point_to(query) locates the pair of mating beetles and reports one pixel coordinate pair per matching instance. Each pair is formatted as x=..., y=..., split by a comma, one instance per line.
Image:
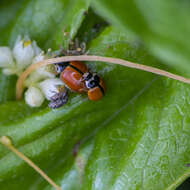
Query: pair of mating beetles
x=77, y=78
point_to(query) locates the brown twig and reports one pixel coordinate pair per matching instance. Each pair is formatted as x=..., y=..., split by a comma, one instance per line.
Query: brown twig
x=24, y=75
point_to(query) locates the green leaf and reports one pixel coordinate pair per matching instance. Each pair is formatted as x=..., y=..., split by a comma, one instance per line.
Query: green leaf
x=145, y=143
x=163, y=25
x=44, y=21
x=137, y=136
x=91, y=27
x=7, y=87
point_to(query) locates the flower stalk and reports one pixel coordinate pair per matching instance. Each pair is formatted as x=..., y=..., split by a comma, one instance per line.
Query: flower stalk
x=31, y=68
x=8, y=143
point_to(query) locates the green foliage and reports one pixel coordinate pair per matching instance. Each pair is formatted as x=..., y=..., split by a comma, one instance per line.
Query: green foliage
x=136, y=137
x=163, y=25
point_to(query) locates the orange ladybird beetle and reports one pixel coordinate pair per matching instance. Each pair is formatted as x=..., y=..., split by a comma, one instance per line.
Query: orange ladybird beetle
x=78, y=78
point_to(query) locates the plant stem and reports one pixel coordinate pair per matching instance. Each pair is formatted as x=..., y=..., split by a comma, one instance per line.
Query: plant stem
x=8, y=143
x=24, y=75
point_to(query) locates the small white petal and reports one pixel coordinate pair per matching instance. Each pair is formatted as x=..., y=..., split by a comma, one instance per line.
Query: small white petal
x=50, y=86
x=39, y=57
x=8, y=71
x=23, y=53
x=37, y=49
x=6, y=58
x=41, y=73
x=44, y=71
x=34, y=97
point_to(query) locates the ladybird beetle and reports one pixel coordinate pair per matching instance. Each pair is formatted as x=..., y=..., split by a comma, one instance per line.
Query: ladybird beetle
x=78, y=78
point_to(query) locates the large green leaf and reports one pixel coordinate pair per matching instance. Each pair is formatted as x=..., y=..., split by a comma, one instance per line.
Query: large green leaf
x=48, y=123
x=137, y=136
x=45, y=21
x=139, y=131
x=162, y=24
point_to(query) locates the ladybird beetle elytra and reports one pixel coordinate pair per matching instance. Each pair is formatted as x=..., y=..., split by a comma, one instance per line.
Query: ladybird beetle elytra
x=95, y=85
x=97, y=92
x=72, y=76
x=78, y=78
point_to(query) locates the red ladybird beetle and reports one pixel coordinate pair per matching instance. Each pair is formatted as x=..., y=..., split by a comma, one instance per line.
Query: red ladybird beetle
x=78, y=78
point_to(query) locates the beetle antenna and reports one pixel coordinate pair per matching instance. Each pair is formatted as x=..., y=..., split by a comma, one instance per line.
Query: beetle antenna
x=8, y=143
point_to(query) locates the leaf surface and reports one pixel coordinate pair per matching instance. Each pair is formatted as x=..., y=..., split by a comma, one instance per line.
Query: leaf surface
x=163, y=25
x=137, y=136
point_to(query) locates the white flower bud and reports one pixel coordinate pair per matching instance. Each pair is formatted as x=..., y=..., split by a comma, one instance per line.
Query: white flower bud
x=51, y=86
x=23, y=53
x=41, y=73
x=45, y=71
x=6, y=58
x=34, y=97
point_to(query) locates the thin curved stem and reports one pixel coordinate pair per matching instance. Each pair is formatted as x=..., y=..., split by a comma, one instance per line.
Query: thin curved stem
x=24, y=75
x=8, y=143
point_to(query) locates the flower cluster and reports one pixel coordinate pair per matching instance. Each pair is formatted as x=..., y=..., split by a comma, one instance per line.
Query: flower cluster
x=42, y=84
